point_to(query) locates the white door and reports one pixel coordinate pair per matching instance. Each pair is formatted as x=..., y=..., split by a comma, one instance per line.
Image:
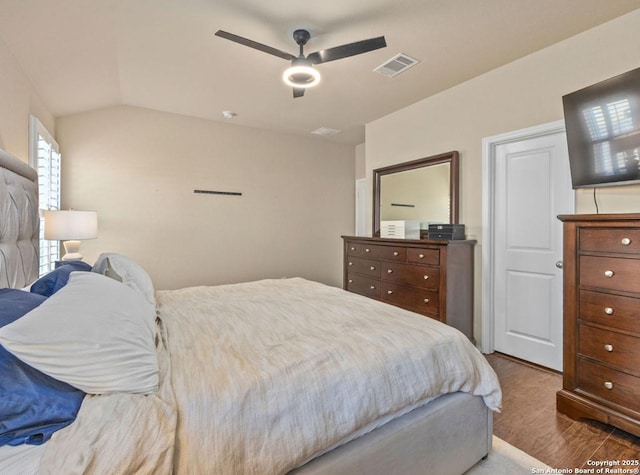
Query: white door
x=532, y=185
x=361, y=219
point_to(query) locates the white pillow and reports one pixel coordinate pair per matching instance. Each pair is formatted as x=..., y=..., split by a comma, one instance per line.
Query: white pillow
x=127, y=271
x=95, y=334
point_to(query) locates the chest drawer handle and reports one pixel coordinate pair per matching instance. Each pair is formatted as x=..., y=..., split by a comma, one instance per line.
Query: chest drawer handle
x=608, y=273
x=421, y=256
x=353, y=248
x=426, y=300
x=373, y=267
x=608, y=310
x=608, y=385
x=367, y=250
x=373, y=287
x=608, y=348
x=426, y=277
x=350, y=263
x=389, y=292
x=351, y=281
x=625, y=241
x=395, y=253
x=390, y=271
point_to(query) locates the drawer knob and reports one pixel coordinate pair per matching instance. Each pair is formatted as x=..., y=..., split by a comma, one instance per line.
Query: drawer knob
x=395, y=253
x=389, y=271
x=367, y=250
x=608, y=273
x=389, y=292
x=353, y=248
x=625, y=241
x=608, y=385
x=421, y=256
x=426, y=300
x=372, y=287
x=426, y=277
x=608, y=348
x=373, y=267
x=608, y=310
x=350, y=263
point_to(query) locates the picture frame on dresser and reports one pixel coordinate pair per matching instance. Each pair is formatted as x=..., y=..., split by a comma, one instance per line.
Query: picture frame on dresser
x=601, y=319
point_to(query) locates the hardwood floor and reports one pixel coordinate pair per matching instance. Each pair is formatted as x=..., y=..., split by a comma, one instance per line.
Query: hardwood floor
x=530, y=422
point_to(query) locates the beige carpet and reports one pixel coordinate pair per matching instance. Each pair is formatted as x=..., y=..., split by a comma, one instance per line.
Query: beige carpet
x=505, y=459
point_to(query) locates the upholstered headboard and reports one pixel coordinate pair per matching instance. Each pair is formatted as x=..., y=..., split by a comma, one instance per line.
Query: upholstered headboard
x=19, y=222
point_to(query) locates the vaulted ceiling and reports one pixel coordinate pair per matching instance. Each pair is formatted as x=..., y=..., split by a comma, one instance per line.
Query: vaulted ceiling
x=163, y=55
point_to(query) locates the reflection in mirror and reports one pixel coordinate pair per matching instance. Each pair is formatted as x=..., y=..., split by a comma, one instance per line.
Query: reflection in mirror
x=424, y=190
x=421, y=194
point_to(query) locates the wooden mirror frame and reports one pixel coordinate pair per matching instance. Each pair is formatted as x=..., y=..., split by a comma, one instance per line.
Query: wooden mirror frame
x=450, y=157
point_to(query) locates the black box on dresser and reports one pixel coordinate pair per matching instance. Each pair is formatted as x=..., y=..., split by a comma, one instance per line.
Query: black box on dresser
x=446, y=231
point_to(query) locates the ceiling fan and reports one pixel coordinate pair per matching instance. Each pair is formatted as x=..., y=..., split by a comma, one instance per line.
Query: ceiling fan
x=301, y=74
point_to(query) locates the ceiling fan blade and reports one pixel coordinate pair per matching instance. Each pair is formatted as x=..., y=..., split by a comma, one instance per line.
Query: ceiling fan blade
x=347, y=50
x=298, y=92
x=255, y=45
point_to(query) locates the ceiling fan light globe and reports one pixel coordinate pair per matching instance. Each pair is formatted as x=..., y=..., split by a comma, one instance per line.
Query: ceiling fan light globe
x=301, y=76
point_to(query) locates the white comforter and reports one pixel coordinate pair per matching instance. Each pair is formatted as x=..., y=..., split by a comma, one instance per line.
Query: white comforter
x=266, y=375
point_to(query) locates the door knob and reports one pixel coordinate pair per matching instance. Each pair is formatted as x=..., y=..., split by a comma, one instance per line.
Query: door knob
x=559, y=264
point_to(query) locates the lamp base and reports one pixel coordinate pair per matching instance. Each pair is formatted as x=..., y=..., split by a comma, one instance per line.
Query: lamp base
x=71, y=249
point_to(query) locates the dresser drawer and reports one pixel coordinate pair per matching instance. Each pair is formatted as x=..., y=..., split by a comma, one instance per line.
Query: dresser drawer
x=363, y=285
x=610, y=240
x=611, y=310
x=609, y=384
x=414, y=299
x=391, y=253
x=419, y=276
x=423, y=256
x=610, y=273
x=610, y=347
x=367, y=267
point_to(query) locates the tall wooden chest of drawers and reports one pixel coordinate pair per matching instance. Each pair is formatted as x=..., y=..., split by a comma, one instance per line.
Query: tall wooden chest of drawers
x=433, y=278
x=601, y=377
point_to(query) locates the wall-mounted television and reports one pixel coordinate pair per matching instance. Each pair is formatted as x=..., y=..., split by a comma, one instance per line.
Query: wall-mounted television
x=603, y=132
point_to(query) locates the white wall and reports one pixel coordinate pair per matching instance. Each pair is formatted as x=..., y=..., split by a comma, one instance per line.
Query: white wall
x=138, y=168
x=18, y=100
x=524, y=93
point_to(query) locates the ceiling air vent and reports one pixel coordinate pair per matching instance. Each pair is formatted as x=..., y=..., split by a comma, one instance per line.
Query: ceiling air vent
x=396, y=65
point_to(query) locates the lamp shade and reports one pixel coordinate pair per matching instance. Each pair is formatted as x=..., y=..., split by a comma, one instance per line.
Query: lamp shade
x=70, y=225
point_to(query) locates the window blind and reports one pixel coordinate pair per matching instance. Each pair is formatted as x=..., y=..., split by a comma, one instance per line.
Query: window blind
x=44, y=156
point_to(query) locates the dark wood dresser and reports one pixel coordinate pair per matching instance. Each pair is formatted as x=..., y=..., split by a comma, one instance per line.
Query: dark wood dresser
x=601, y=377
x=433, y=278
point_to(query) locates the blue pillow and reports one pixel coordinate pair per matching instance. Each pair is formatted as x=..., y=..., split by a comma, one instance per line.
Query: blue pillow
x=50, y=283
x=32, y=405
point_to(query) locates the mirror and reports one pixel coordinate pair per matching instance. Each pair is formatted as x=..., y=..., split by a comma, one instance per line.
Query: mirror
x=424, y=190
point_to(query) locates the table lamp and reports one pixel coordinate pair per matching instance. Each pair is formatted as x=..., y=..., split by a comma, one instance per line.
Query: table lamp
x=70, y=227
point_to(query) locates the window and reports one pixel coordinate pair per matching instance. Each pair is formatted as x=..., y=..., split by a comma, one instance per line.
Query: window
x=44, y=156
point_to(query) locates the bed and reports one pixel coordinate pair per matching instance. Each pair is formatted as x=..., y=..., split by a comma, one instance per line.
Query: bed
x=268, y=377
